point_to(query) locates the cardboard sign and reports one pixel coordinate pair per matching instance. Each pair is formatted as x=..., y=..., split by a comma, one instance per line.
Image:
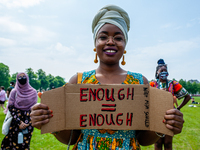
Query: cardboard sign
x=117, y=107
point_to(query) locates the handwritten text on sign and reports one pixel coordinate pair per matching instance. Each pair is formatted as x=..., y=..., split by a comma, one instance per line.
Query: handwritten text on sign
x=116, y=107
x=109, y=95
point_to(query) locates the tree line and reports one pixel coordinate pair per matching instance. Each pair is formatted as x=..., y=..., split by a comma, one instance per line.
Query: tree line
x=38, y=80
x=192, y=88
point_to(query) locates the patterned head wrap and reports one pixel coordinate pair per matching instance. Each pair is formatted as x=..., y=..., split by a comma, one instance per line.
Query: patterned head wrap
x=26, y=95
x=114, y=15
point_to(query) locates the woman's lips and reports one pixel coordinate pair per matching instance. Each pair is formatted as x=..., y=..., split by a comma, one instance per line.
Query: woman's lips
x=110, y=52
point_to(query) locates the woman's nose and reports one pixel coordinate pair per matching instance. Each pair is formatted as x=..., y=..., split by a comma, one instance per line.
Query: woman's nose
x=110, y=40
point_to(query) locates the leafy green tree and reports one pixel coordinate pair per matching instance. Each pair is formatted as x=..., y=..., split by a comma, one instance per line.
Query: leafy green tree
x=50, y=78
x=55, y=83
x=33, y=78
x=183, y=83
x=61, y=81
x=189, y=87
x=4, y=75
x=194, y=88
x=13, y=77
x=44, y=83
x=198, y=87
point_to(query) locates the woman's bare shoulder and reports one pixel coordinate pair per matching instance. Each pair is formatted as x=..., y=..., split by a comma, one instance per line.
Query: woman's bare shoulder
x=73, y=79
x=145, y=80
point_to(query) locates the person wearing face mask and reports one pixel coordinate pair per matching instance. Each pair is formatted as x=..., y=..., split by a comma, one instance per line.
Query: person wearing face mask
x=178, y=91
x=21, y=99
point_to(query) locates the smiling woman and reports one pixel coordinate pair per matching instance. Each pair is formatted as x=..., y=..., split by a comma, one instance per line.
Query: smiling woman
x=110, y=32
x=110, y=44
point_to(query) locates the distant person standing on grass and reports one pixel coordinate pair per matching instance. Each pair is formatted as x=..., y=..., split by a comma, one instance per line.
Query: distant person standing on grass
x=9, y=89
x=21, y=99
x=2, y=97
x=12, y=85
x=176, y=89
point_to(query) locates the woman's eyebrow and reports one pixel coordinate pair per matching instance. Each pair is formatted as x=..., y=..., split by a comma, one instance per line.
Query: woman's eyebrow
x=118, y=33
x=105, y=32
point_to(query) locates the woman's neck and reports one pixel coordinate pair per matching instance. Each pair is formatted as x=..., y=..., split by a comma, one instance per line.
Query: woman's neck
x=162, y=81
x=110, y=69
x=110, y=75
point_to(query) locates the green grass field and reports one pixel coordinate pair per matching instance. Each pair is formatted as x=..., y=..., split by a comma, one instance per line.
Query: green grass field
x=189, y=139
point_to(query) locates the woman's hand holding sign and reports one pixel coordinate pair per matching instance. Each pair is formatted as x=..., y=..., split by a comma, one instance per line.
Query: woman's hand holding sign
x=40, y=115
x=174, y=120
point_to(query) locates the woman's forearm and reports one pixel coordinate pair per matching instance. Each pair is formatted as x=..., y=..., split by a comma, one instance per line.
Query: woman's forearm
x=146, y=138
x=64, y=136
x=185, y=101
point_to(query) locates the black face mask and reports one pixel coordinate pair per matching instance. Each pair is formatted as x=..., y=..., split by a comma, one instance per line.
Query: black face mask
x=22, y=81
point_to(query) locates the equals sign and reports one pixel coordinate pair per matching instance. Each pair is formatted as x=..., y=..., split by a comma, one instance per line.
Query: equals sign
x=108, y=107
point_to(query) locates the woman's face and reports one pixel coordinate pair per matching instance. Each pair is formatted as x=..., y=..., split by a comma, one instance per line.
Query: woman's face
x=110, y=44
x=22, y=79
x=22, y=75
x=162, y=69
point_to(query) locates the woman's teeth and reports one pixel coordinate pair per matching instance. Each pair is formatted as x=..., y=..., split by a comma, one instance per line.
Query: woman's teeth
x=110, y=51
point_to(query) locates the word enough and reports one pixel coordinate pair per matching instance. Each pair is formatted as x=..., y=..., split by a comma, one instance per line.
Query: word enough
x=108, y=119
x=89, y=94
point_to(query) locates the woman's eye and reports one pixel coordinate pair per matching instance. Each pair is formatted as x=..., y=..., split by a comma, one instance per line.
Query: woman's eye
x=103, y=37
x=118, y=38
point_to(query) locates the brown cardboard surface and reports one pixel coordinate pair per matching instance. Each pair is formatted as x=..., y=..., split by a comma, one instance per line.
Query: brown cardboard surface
x=55, y=99
x=160, y=101
x=118, y=107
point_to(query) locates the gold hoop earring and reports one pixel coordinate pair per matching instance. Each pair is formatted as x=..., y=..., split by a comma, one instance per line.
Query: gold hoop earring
x=95, y=60
x=123, y=62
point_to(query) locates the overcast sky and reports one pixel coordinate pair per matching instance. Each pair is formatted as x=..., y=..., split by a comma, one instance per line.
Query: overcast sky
x=56, y=36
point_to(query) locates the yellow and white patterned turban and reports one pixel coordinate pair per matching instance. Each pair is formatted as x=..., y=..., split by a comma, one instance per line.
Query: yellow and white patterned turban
x=114, y=15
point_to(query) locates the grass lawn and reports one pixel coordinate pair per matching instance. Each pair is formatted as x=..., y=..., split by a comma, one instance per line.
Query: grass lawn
x=187, y=140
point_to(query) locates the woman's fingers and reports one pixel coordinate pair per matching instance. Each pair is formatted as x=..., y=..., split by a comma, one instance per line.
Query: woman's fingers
x=23, y=125
x=39, y=124
x=174, y=111
x=175, y=129
x=40, y=112
x=39, y=106
x=40, y=115
x=174, y=120
x=174, y=114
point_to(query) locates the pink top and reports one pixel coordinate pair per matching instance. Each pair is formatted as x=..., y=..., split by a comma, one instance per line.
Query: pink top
x=2, y=95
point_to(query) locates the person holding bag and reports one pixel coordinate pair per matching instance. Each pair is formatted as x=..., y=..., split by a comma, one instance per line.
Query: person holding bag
x=6, y=123
x=21, y=99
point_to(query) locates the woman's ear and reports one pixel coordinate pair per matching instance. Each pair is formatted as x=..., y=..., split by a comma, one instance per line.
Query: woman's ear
x=157, y=74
